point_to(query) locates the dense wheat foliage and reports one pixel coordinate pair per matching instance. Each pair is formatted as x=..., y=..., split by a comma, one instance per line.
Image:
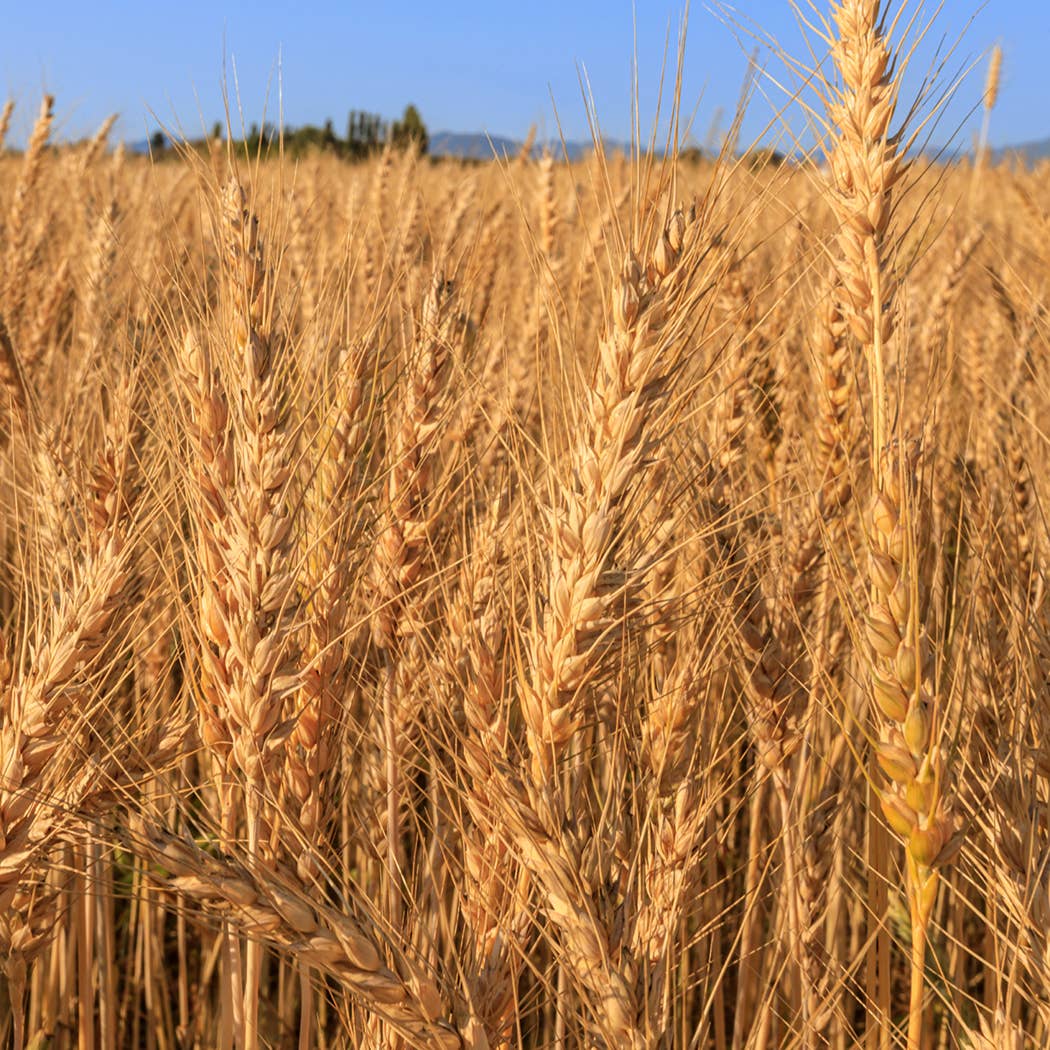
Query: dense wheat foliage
x=527, y=604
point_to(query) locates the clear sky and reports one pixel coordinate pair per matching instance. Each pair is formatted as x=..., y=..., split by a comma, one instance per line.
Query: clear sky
x=468, y=65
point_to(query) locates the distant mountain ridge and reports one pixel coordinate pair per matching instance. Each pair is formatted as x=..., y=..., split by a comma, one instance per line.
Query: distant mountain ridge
x=479, y=146
x=1029, y=152
x=476, y=145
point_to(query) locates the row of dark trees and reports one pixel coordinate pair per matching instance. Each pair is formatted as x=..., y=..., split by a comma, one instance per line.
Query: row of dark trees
x=366, y=133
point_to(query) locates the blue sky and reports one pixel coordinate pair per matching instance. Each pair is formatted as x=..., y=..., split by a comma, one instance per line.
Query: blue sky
x=468, y=65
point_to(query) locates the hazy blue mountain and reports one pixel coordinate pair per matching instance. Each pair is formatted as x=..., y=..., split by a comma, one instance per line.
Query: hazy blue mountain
x=479, y=146
x=1030, y=152
x=471, y=145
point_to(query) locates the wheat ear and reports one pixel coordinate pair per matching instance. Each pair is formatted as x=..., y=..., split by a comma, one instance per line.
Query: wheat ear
x=268, y=906
x=405, y=535
x=16, y=232
x=5, y=120
x=40, y=716
x=586, y=592
x=867, y=163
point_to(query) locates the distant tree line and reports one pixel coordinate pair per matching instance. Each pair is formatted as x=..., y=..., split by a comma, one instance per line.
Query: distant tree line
x=366, y=133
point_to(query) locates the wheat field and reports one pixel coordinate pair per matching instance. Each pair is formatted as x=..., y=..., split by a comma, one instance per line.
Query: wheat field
x=528, y=604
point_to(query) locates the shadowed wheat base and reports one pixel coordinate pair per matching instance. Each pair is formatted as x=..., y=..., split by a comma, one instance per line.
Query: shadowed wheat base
x=523, y=605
